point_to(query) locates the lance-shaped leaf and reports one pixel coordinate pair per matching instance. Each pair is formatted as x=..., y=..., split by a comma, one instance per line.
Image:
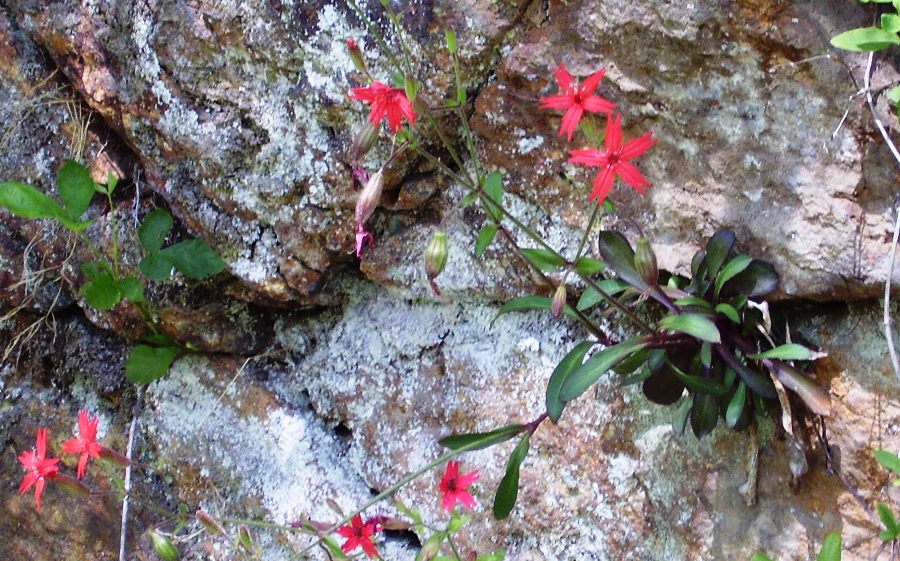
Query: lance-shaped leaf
x=566, y=366
x=544, y=259
x=591, y=297
x=831, y=548
x=480, y=440
x=789, y=351
x=694, y=325
x=717, y=249
x=618, y=255
x=696, y=383
x=731, y=270
x=756, y=381
x=27, y=202
x=589, y=267
x=891, y=527
x=817, y=399
x=485, y=237
x=888, y=460
x=508, y=490
x=525, y=303
x=704, y=414
x=736, y=406
x=602, y=361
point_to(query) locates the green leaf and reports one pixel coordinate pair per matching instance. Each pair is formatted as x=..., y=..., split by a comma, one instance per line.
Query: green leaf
x=544, y=259
x=566, y=366
x=485, y=237
x=890, y=523
x=681, y=416
x=525, y=303
x=731, y=270
x=499, y=555
x=865, y=39
x=888, y=460
x=146, y=364
x=481, y=440
x=758, y=279
x=717, y=249
x=696, y=383
x=728, y=311
x=589, y=267
x=153, y=230
x=893, y=95
x=101, y=291
x=736, y=406
x=457, y=521
x=590, y=297
x=890, y=23
x=585, y=375
x=157, y=267
x=760, y=557
x=618, y=255
x=831, y=548
x=704, y=414
x=131, y=289
x=508, y=490
x=450, y=36
x=469, y=199
x=693, y=301
x=27, y=202
x=493, y=188
x=76, y=188
x=194, y=259
x=790, y=351
x=111, y=182
x=700, y=327
x=757, y=382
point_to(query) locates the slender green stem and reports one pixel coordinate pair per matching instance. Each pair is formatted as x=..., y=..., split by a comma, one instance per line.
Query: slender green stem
x=463, y=118
x=453, y=547
x=115, y=235
x=594, y=216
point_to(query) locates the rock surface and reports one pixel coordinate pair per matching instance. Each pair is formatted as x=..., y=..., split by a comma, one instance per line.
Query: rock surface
x=234, y=115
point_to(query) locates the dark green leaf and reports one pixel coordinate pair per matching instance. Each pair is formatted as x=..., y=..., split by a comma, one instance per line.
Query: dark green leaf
x=194, y=259
x=728, y=311
x=736, y=406
x=618, y=255
x=865, y=39
x=153, y=230
x=758, y=383
x=508, y=490
x=157, y=267
x=758, y=279
x=732, y=269
x=146, y=364
x=694, y=325
x=681, y=416
x=591, y=371
x=131, y=289
x=888, y=460
x=644, y=374
x=566, y=366
x=633, y=362
x=589, y=267
x=831, y=548
x=525, y=303
x=790, y=351
x=481, y=440
x=101, y=291
x=717, y=249
x=696, y=383
x=590, y=297
x=485, y=237
x=76, y=188
x=544, y=259
x=704, y=414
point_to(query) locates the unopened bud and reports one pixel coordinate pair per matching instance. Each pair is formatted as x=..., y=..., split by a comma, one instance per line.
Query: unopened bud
x=645, y=261
x=388, y=523
x=436, y=254
x=210, y=524
x=356, y=56
x=71, y=485
x=431, y=548
x=364, y=137
x=115, y=457
x=369, y=197
x=244, y=538
x=163, y=547
x=559, y=301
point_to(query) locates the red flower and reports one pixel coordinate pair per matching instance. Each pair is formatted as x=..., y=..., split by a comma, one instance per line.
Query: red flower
x=386, y=102
x=615, y=160
x=454, y=487
x=361, y=535
x=86, y=443
x=38, y=467
x=576, y=100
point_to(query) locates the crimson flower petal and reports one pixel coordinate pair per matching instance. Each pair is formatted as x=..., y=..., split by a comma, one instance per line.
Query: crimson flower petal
x=603, y=184
x=564, y=79
x=632, y=176
x=636, y=147
x=613, y=133
x=591, y=82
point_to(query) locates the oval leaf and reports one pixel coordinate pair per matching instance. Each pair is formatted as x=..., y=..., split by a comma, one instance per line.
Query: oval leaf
x=146, y=363
x=76, y=188
x=717, y=249
x=865, y=39
x=480, y=440
x=589, y=372
x=888, y=460
x=704, y=414
x=194, y=259
x=758, y=279
x=590, y=297
x=728, y=311
x=566, y=366
x=544, y=259
x=508, y=490
x=153, y=230
x=618, y=255
x=588, y=267
x=731, y=270
x=694, y=325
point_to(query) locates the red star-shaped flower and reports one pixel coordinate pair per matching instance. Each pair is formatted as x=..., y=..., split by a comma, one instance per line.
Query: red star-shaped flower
x=614, y=161
x=576, y=100
x=454, y=487
x=86, y=443
x=38, y=467
x=360, y=534
x=386, y=102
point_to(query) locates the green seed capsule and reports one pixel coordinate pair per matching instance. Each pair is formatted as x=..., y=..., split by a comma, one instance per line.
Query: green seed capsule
x=436, y=254
x=163, y=547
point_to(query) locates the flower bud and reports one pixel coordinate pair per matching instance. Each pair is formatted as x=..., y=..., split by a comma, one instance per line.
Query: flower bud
x=559, y=301
x=436, y=255
x=645, y=261
x=210, y=524
x=115, y=457
x=244, y=538
x=71, y=485
x=431, y=548
x=163, y=547
x=364, y=137
x=389, y=523
x=356, y=56
x=369, y=197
